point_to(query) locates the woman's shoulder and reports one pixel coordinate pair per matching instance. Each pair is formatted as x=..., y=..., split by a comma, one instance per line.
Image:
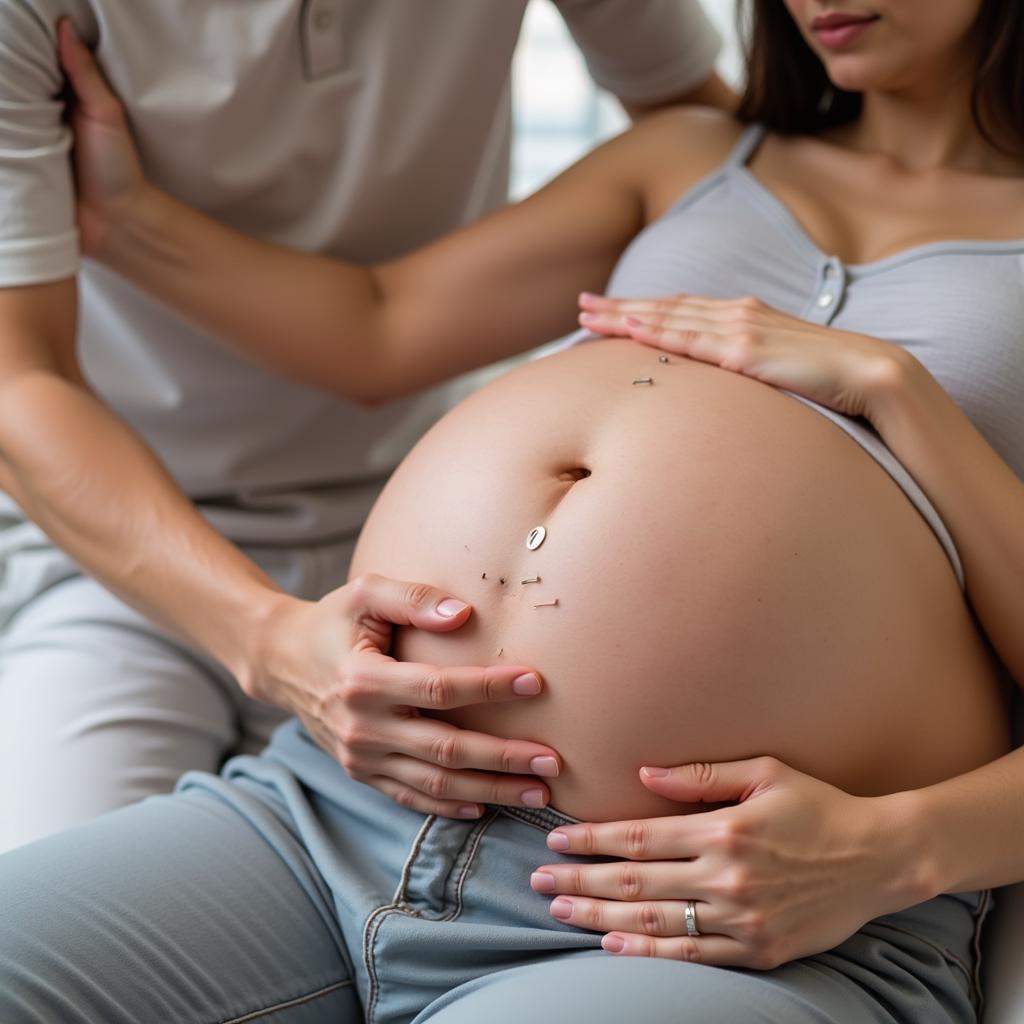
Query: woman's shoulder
x=678, y=147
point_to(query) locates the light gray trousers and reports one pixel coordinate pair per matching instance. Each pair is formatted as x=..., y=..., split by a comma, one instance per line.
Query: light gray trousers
x=284, y=892
x=98, y=706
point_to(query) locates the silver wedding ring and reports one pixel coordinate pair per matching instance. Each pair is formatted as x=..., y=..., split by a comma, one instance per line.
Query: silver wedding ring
x=690, y=916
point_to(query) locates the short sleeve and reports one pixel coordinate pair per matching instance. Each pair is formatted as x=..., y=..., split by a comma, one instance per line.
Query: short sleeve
x=38, y=240
x=643, y=51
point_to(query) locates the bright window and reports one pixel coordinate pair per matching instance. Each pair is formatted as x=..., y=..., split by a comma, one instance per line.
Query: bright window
x=559, y=112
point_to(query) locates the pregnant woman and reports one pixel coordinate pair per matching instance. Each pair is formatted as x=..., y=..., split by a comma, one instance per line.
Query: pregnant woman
x=749, y=540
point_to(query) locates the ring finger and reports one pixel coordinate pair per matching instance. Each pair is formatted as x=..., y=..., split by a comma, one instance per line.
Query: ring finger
x=660, y=918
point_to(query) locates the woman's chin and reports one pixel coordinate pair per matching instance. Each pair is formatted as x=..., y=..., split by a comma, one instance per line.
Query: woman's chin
x=858, y=72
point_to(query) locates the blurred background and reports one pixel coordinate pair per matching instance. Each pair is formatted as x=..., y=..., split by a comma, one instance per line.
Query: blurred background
x=559, y=113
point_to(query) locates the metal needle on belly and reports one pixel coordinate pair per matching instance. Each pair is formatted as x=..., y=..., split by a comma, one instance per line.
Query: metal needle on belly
x=644, y=380
x=548, y=604
x=532, y=579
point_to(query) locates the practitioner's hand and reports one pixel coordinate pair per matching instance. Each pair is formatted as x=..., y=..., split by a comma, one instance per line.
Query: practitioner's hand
x=845, y=371
x=327, y=663
x=109, y=181
x=793, y=869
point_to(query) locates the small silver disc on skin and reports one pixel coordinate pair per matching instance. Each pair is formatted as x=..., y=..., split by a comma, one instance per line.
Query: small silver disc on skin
x=536, y=538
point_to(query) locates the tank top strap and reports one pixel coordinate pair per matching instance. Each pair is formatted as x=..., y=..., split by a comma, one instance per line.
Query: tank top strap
x=748, y=141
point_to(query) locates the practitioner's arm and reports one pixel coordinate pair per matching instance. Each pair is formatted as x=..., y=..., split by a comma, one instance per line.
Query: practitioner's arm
x=101, y=495
x=81, y=474
x=659, y=57
x=498, y=287
x=712, y=92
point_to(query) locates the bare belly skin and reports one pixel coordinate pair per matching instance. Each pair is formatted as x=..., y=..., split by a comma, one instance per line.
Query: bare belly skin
x=734, y=576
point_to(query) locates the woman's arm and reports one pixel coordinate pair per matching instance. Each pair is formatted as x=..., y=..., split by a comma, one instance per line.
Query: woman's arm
x=498, y=287
x=973, y=824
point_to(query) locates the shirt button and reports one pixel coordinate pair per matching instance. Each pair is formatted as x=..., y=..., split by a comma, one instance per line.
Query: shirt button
x=825, y=300
x=323, y=20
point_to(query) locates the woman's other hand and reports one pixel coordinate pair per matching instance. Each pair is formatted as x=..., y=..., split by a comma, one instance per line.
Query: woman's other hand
x=845, y=371
x=109, y=181
x=793, y=869
x=327, y=663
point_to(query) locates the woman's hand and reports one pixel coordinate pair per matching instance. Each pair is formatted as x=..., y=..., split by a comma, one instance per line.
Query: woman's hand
x=838, y=369
x=327, y=663
x=109, y=181
x=793, y=869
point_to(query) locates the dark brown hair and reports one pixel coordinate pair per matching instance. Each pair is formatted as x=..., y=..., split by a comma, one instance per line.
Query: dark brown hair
x=788, y=90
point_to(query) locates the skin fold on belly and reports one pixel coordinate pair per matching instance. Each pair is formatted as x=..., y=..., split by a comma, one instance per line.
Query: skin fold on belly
x=725, y=574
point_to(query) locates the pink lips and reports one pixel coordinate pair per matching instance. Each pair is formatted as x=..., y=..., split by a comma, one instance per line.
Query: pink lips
x=836, y=31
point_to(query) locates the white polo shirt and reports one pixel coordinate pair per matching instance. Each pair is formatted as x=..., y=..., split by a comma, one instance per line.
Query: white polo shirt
x=355, y=128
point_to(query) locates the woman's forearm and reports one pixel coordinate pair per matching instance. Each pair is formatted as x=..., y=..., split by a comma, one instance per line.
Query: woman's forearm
x=968, y=830
x=978, y=496
x=315, y=319
x=970, y=827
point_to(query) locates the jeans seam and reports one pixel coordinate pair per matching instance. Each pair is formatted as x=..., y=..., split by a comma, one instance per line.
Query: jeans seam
x=417, y=845
x=289, y=1003
x=375, y=921
x=470, y=857
x=369, y=941
x=376, y=918
x=984, y=906
x=539, y=819
x=947, y=954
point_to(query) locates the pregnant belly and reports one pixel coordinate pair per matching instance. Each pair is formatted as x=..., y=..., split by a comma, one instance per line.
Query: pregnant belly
x=724, y=573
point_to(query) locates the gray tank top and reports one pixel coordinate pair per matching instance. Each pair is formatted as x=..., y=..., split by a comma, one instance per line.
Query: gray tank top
x=957, y=306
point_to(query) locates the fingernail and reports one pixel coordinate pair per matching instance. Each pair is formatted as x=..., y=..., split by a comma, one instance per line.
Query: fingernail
x=545, y=767
x=469, y=811
x=534, y=798
x=561, y=908
x=586, y=296
x=541, y=881
x=588, y=317
x=526, y=685
x=655, y=773
x=613, y=943
x=634, y=322
x=558, y=841
x=449, y=608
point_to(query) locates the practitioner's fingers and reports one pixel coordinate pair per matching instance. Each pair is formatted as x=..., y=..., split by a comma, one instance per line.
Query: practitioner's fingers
x=446, y=787
x=371, y=599
x=373, y=679
x=418, y=801
x=440, y=743
x=95, y=97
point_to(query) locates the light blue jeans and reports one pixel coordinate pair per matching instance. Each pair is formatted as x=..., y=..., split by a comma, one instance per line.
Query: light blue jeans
x=282, y=891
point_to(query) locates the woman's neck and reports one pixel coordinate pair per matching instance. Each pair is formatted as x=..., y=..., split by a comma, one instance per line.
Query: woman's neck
x=927, y=127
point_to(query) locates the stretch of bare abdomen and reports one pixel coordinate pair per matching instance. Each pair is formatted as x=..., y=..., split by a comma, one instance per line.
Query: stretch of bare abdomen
x=724, y=574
